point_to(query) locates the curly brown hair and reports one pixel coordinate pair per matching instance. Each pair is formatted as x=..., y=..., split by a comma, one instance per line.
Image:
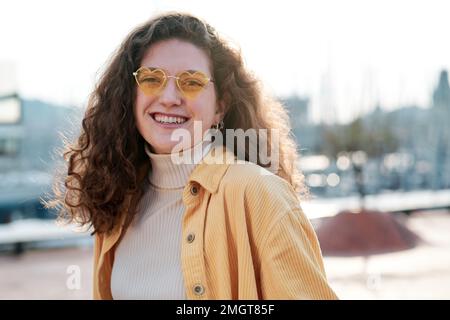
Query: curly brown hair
x=106, y=165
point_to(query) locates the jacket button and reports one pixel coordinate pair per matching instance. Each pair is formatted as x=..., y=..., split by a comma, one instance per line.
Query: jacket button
x=194, y=189
x=190, y=238
x=199, y=289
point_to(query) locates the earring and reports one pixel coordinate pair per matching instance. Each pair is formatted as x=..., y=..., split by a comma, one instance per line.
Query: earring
x=218, y=126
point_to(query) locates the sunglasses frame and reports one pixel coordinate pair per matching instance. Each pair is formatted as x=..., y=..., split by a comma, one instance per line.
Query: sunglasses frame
x=166, y=78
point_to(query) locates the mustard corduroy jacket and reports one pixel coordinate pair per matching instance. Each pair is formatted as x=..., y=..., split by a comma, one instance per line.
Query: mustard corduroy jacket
x=245, y=236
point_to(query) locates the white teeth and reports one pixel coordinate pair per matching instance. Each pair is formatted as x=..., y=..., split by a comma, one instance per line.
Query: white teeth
x=166, y=119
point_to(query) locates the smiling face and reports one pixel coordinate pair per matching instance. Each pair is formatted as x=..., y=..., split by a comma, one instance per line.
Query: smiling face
x=159, y=115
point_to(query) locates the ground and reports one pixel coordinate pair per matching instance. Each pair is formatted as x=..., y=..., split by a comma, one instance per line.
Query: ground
x=419, y=273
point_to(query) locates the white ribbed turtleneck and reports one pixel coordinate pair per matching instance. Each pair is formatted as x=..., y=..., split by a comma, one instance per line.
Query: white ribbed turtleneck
x=147, y=262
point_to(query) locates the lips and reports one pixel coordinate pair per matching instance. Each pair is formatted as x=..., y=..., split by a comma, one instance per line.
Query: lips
x=166, y=118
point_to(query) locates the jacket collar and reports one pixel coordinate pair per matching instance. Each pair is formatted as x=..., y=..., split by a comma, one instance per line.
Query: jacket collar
x=208, y=173
x=212, y=168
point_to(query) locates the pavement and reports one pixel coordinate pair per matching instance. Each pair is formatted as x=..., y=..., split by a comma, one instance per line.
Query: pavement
x=419, y=273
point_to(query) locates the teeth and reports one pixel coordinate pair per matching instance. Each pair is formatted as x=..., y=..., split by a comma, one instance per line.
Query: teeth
x=166, y=119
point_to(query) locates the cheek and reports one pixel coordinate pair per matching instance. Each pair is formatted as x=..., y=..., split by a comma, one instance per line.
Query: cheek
x=204, y=108
x=204, y=113
x=141, y=104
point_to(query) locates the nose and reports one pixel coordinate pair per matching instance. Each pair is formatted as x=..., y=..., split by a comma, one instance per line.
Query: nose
x=170, y=95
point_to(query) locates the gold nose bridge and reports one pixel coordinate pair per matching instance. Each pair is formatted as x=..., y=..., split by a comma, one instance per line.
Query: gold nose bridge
x=176, y=82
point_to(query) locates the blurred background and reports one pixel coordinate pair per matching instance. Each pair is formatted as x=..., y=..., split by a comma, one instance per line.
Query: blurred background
x=366, y=85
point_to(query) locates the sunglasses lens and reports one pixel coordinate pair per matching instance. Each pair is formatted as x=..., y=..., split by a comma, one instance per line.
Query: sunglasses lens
x=150, y=81
x=191, y=84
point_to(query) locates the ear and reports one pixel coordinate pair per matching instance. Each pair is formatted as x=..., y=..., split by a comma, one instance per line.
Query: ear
x=220, y=111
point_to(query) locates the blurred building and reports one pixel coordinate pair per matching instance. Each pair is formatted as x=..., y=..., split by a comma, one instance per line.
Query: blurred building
x=439, y=136
x=30, y=142
x=408, y=148
x=441, y=95
x=30, y=135
x=306, y=133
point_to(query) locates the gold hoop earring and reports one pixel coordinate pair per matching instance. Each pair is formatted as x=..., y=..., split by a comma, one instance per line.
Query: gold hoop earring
x=218, y=126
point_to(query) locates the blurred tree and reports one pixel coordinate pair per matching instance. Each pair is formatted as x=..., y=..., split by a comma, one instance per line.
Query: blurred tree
x=375, y=139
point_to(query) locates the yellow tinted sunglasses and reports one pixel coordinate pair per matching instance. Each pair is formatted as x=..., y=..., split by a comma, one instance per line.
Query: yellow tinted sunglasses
x=153, y=80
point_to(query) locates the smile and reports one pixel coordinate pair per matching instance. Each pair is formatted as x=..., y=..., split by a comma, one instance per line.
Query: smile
x=168, y=119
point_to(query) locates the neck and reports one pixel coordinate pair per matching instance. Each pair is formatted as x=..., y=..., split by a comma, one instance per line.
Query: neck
x=172, y=171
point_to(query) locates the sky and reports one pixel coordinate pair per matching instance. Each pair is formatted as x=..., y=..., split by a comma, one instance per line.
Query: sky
x=346, y=56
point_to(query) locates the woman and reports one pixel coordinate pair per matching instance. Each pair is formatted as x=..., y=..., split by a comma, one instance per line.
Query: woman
x=208, y=228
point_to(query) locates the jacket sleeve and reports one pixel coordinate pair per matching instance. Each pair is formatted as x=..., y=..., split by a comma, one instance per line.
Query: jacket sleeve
x=291, y=261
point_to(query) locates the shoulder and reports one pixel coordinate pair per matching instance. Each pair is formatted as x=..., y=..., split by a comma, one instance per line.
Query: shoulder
x=262, y=204
x=260, y=187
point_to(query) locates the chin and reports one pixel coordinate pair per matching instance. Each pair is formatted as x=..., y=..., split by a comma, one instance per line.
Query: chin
x=165, y=148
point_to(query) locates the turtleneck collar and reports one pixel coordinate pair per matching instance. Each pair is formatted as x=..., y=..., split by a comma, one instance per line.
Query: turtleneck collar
x=169, y=174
